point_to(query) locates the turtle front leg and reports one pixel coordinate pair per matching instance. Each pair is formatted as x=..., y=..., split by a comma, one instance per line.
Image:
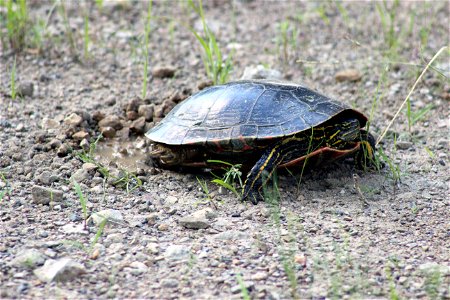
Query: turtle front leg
x=365, y=158
x=261, y=173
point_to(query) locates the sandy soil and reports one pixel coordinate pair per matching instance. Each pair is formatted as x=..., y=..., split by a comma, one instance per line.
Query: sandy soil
x=321, y=241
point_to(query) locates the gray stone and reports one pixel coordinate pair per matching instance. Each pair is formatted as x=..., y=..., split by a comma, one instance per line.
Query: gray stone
x=29, y=258
x=198, y=220
x=25, y=89
x=63, y=269
x=177, y=252
x=48, y=123
x=108, y=132
x=260, y=72
x=110, y=121
x=43, y=195
x=231, y=235
x=112, y=216
x=80, y=175
x=63, y=150
x=403, y=145
x=46, y=177
x=73, y=120
x=169, y=283
x=138, y=267
x=138, y=125
x=146, y=111
x=72, y=228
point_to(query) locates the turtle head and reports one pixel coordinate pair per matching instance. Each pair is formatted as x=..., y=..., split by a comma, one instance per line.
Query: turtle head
x=164, y=155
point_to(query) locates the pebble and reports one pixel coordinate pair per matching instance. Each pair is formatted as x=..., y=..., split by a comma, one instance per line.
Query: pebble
x=249, y=285
x=153, y=248
x=351, y=75
x=73, y=120
x=112, y=216
x=80, y=175
x=46, y=177
x=260, y=72
x=63, y=150
x=84, y=144
x=403, y=145
x=80, y=135
x=89, y=167
x=25, y=89
x=198, y=220
x=72, y=228
x=138, y=125
x=110, y=121
x=29, y=258
x=163, y=71
x=44, y=195
x=169, y=283
x=64, y=269
x=231, y=235
x=138, y=267
x=177, y=252
x=146, y=111
x=259, y=276
x=48, y=123
x=108, y=132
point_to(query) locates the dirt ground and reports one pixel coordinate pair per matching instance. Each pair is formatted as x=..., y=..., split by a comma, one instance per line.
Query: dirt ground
x=382, y=235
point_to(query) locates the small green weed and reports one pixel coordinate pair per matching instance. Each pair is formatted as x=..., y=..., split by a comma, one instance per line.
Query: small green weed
x=17, y=22
x=387, y=17
x=204, y=186
x=389, y=268
x=83, y=202
x=231, y=179
x=13, y=81
x=146, y=48
x=69, y=34
x=287, y=37
x=433, y=281
x=244, y=291
x=128, y=181
x=217, y=69
x=86, y=39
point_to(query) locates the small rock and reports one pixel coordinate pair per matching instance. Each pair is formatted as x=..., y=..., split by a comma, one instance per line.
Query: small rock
x=46, y=178
x=111, y=121
x=97, y=116
x=80, y=135
x=169, y=283
x=63, y=150
x=163, y=71
x=153, y=248
x=48, y=123
x=435, y=267
x=131, y=115
x=138, y=266
x=63, y=269
x=231, y=235
x=198, y=220
x=53, y=144
x=108, y=132
x=403, y=145
x=249, y=285
x=29, y=258
x=25, y=89
x=80, y=175
x=74, y=228
x=204, y=84
x=112, y=216
x=138, y=126
x=73, y=120
x=260, y=72
x=43, y=195
x=351, y=75
x=146, y=111
x=133, y=105
x=259, y=276
x=84, y=144
x=89, y=167
x=177, y=252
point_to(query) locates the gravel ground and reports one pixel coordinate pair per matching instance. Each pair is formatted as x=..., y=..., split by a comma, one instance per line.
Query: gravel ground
x=384, y=234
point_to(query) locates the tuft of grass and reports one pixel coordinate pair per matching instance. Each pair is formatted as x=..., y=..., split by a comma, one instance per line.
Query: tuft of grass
x=13, y=80
x=16, y=22
x=244, y=291
x=287, y=37
x=146, y=48
x=433, y=281
x=205, y=189
x=387, y=17
x=445, y=48
x=83, y=202
x=69, y=34
x=86, y=40
x=128, y=181
x=217, y=69
x=231, y=179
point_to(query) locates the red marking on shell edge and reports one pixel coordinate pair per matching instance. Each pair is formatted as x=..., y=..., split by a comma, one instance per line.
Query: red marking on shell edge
x=331, y=153
x=245, y=146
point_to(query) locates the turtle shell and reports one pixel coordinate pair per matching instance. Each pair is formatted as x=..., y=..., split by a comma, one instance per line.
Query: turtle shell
x=247, y=111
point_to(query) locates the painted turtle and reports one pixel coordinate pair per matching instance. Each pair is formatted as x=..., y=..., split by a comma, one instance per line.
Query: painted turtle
x=261, y=124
